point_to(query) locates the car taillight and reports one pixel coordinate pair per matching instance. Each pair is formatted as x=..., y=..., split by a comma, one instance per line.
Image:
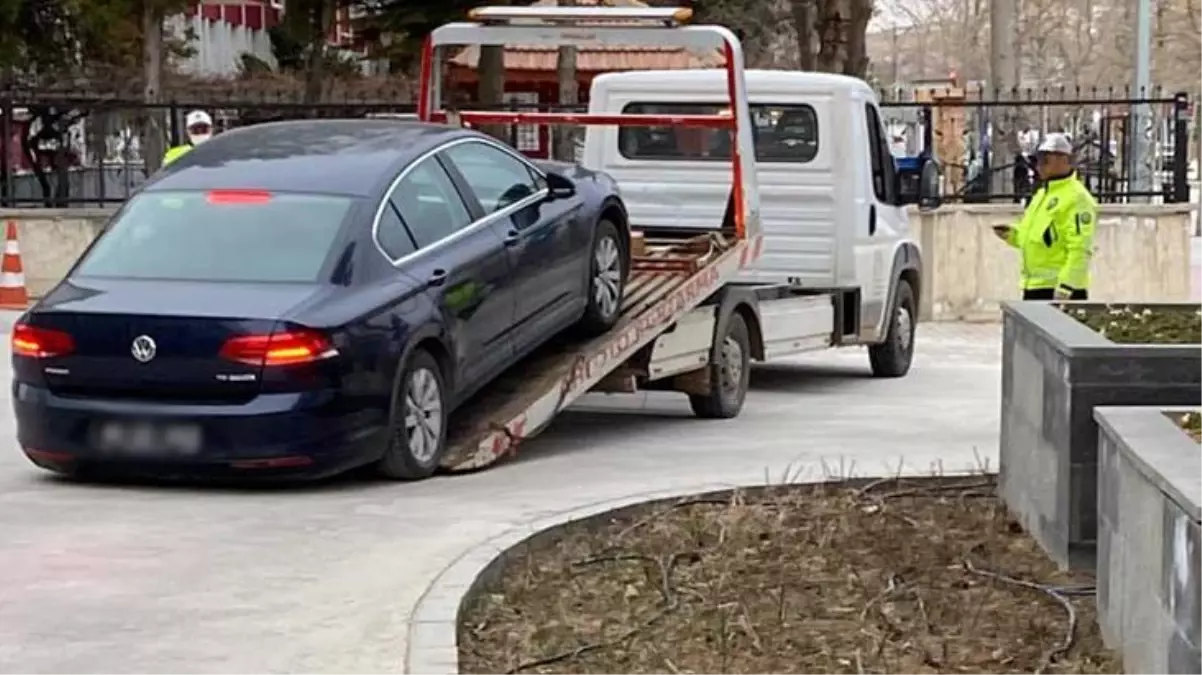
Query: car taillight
x=41, y=343
x=279, y=349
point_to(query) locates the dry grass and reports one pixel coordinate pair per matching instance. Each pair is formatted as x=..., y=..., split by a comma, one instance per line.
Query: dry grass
x=902, y=576
x=1125, y=324
x=1190, y=423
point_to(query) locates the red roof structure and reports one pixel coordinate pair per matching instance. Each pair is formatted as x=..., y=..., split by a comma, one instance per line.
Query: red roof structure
x=596, y=59
x=531, y=78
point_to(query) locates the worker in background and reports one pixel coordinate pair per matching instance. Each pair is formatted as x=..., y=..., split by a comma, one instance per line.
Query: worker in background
x=1055, y=235
x=199, y=127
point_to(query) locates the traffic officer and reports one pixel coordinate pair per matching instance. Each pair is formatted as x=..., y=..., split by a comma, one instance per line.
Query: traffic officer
x=1055, y=235
x=199, y=127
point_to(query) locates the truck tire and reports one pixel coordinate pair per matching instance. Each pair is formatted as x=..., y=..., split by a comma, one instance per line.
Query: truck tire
x=417, y=422
x=729, y=375
x=606, y=281
x=892, y=357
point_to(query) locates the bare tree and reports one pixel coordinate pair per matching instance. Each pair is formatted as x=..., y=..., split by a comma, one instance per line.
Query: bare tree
x=152, y=72
x=564, y=141
x=1069, y=43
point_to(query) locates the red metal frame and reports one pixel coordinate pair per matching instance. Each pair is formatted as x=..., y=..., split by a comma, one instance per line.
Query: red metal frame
x=426, y=113
x=502, y=117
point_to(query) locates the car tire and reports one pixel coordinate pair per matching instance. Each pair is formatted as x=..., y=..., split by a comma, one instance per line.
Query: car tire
x=417, y=422
x=892, y=358
x=730, y=375
x=606, y=283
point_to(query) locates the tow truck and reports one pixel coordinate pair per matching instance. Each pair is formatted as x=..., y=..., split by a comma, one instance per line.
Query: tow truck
x=688, y=324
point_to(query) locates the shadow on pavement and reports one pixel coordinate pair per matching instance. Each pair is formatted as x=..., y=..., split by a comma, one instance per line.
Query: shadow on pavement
x=111, y=480
x=573, y=430
x=807, y=378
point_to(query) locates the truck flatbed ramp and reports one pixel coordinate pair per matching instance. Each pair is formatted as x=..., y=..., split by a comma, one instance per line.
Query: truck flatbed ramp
x=665, y=284
x=668, y=279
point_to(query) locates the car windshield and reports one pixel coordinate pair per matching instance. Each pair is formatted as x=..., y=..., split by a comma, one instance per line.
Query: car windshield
x=220, y=235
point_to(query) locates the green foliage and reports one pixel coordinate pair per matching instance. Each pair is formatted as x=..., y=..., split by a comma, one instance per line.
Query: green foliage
x=304, y=28
x=287, y=47
x=48, y=35
x=35, y=34
x=409, y=21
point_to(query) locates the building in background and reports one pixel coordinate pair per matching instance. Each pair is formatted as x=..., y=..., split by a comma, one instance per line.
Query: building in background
x=223, y=31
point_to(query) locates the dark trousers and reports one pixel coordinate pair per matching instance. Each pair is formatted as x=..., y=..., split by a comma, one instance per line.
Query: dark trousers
x=1050, y=294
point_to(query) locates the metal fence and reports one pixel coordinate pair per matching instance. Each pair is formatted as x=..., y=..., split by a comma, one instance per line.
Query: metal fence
x=59, y=150
x=68, y=150
x=985, y=141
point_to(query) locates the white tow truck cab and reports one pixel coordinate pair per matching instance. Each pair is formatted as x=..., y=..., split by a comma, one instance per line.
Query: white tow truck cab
x=722, y=271
x=837, y=250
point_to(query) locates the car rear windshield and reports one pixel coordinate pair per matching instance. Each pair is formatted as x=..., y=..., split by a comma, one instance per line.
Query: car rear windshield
x=220, y=235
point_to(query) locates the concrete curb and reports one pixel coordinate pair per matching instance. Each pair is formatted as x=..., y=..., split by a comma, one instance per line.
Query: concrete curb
x=432, y=647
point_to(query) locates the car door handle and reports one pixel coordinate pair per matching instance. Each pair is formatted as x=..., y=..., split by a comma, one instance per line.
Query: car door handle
x=512, y=238
x=871, y=219
x=437, y=278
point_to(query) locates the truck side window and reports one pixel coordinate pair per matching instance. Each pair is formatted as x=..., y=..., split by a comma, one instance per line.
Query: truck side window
x=881, y=157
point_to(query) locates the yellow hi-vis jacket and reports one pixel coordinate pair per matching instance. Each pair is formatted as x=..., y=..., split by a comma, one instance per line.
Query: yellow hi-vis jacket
x=176, y=152
x=1055, y=236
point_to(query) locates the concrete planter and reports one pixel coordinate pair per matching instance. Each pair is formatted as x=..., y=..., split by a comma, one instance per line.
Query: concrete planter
x=1055, y=370
x=1149, y=540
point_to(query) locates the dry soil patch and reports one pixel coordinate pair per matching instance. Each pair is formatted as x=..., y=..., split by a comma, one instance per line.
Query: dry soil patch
x=916, y=576
x=1132, y=324
x=1190, y=423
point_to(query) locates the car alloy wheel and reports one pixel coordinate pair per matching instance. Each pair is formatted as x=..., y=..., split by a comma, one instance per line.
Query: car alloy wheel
x=607, y=276
x=423, y=415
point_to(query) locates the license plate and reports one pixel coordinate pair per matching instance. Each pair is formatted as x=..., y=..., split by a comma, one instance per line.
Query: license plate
x=149, y=438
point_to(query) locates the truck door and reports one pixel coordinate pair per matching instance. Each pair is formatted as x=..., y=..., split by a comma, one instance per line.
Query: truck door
x=885, y=225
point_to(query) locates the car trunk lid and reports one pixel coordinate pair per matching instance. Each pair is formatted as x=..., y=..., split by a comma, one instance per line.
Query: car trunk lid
x=162, y=341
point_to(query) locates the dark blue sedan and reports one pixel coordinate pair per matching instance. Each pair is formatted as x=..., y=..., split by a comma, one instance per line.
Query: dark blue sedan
x=306, y=297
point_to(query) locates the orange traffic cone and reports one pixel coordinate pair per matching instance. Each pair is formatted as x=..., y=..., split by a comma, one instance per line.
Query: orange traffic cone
x=12, y=276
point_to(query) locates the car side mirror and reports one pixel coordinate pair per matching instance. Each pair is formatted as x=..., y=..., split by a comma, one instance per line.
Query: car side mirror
x=560, y=187
x=918, y=182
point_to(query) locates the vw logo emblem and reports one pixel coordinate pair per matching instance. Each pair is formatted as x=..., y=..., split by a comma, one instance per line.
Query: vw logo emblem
x=143, y=348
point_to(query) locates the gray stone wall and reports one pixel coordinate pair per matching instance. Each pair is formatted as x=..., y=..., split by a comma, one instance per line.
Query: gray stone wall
x=1149, y=540
x=1055, y=371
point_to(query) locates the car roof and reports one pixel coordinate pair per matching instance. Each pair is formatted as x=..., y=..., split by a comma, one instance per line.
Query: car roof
x=345, y=156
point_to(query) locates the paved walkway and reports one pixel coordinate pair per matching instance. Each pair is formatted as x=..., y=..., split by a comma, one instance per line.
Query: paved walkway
x=120, y=579
x=1195, y=260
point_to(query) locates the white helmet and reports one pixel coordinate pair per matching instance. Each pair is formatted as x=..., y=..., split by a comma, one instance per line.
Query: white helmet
x=1057, y=143
x=199, y=126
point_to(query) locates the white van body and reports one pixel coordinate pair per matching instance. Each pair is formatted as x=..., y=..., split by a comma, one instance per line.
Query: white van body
x=827, y=224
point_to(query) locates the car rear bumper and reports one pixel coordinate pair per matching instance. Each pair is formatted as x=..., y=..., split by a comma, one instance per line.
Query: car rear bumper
x=312, y=433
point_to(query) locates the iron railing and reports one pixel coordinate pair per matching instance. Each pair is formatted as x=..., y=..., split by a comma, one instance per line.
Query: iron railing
x=967, y=133
x=58, y=149
x=61, y=149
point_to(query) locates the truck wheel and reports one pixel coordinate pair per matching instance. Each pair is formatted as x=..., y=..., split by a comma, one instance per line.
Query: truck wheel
x=417, y=425
x=892, y=357
x=607, y=281
x=729, y=376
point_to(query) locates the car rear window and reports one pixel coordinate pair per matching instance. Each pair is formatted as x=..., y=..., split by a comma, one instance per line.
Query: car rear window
x=220, y=235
